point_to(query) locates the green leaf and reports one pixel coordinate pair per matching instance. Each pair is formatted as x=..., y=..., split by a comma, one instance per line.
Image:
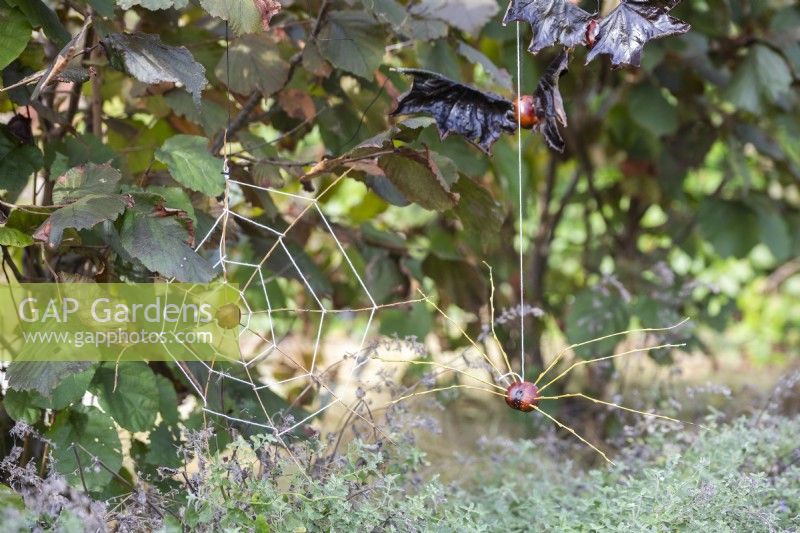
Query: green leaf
x=261, y=525
x=191, y=164
x=86, y=179
x=416, y=322
x=91, y=434
x=457, y=282
x=388, y=11
x=210, y=115
x=254, y=64
x=14, y=237
x=175, y=198
x=87, y=148
x=730, y=226
x=163, y=449
x=650, y=110
x=479, y=212
x=384, y=188
x=17, y=163
x=129, y=393
x=418, y=178
x=27, y=220
x=10, y=499
x=352, y=41
x=25, y=405
x=153, y=5
x=241, y=14
x=70, y=389
x=41, y=16
x=167, y=401
x=382, y=274
x=500, y=76
x=19, y=407
x=85, y=213
x=147, y=59
x=593, y=314
x=423, y=29
x=467, y=15
x=104, y=8
x=159, y=242
x=393, y=13
x=15, y=32
x=761, y=78
x=772, y=228
x=42, y=376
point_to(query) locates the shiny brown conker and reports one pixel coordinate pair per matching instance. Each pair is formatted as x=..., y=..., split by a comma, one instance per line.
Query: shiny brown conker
x=522, y=396
x=526, y=111
x=592, y=29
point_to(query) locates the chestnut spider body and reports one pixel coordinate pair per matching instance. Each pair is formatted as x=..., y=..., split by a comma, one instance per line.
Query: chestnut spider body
x=526, y=112
x=592, y=30
x=522, y=396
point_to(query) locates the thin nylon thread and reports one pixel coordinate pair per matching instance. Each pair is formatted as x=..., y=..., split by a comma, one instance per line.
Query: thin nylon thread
x=519, y=190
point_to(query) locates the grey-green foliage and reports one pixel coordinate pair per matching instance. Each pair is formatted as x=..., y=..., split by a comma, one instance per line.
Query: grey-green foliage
x=731, y=478
x=743, y=476
x=738, y=477
x=149, y=60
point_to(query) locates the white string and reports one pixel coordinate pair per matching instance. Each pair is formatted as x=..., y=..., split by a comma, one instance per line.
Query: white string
x=223, y=261
x=314, y=372
x=519, y=190
x=265, y=335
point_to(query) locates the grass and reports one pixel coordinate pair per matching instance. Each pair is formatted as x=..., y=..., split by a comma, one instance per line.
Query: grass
x=739, y=476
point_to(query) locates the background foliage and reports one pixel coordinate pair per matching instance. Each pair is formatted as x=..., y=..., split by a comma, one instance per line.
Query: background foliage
x=677, y=194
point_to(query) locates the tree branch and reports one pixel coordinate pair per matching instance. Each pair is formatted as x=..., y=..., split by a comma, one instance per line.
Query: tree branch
x=7, y=260
x=242, y=119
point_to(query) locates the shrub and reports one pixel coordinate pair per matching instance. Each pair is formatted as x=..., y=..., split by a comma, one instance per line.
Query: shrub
x=742, y=476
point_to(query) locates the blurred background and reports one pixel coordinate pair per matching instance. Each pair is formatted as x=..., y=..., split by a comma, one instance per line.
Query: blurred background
x=677, y=196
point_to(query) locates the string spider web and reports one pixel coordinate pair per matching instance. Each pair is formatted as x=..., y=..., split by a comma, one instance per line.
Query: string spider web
x=266, y=348
x=269, y=343
x=279, y=366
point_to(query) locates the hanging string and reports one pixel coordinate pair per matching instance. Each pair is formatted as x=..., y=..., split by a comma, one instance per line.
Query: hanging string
x=519, y=190
x=226, y=172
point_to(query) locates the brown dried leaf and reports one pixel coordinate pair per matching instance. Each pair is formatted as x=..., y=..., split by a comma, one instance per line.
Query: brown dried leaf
x=297, y=104
x=267, y=9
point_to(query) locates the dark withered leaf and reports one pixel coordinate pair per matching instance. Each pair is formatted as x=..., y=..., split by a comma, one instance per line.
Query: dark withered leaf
x=548, y=103
x=19, y=126
x=552, y=21
x=624, y=32
x=481, y=117
x=147, y=59
x=62, y=61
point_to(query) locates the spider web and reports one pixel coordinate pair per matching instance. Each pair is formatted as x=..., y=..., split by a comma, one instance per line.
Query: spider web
x=285, y=355
x=261, y=337
x=301, y=347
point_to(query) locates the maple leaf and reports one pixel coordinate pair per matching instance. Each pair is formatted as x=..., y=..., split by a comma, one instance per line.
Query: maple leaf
x=548, y=105
x=481, y=117
x=624, y=32
x=552, y=21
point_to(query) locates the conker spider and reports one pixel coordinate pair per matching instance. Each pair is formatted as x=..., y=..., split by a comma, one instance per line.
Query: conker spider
x=526, y=396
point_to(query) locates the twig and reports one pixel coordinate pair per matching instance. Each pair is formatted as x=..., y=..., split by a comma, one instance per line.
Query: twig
x=556, y=218
x=254, y=99
x=80, y=469
x=7, y=260
x=239, y=122
x=96, y=106
x=784, y=272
